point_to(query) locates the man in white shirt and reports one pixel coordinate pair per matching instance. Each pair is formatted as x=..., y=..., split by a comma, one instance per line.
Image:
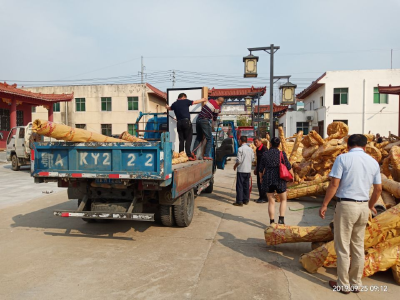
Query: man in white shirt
x=352, y=176
x=243, y=165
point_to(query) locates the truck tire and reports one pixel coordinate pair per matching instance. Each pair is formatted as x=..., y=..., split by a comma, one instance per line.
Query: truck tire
x=87, y=208
x=14, y=162
x=167, y=215
x=184, y=211
x=210, y=188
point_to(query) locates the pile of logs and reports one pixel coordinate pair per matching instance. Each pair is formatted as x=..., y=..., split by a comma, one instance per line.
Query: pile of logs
x=381, y=243
x=179, y=158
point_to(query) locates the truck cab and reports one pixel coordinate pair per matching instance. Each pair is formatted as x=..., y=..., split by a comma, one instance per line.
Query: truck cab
x=246, y=131
x=18, y=150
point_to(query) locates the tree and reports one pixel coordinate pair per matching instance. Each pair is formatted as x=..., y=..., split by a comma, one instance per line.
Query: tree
x=243, y=121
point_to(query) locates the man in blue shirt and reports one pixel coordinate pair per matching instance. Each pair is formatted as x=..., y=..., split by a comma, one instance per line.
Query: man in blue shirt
x=184, y=124
x=352, y=176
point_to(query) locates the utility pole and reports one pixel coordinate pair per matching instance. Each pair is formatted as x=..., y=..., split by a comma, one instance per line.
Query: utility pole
x=143, y=88
x=391, y=58
x=173, y=78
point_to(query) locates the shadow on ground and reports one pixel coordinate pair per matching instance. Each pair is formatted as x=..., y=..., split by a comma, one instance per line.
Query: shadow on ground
x=76, y=227
x=24, y=169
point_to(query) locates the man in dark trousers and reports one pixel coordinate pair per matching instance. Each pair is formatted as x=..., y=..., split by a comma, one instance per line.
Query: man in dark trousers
x=259, y=153
x=204, y=124
x=244, y=161
x=184, y=125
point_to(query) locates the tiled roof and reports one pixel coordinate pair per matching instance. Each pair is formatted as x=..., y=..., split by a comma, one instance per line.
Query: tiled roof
x=239, y=92
x=156, y=91
x=311, y=88
x=265, y=108
x=389, y=89
x=12, y=90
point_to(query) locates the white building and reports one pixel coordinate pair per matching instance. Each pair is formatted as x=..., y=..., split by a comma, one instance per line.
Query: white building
x=107, y=109
x=348, y=96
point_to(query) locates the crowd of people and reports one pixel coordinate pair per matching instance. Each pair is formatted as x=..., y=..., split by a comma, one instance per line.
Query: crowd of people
x=267, y=171
x=351, y=177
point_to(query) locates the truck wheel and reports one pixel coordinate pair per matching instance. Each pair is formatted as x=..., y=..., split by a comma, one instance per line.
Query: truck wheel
x=87, y=208
x=167, y=215
x=14, y=163
x=185, y=210
x=210, y=188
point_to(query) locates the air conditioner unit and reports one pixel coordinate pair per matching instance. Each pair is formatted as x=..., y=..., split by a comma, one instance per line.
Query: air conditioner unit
x=310, y=118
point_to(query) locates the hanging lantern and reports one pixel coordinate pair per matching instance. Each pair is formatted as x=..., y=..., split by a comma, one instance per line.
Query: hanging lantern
x=250, y=66
x=288, y=96
x=248, y=101
x=266, y=116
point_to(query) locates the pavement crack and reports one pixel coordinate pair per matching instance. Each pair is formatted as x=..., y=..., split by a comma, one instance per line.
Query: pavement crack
x=287, y=279
x=207, y=254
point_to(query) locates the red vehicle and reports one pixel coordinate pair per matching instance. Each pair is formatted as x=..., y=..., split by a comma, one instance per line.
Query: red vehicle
x=246, y=131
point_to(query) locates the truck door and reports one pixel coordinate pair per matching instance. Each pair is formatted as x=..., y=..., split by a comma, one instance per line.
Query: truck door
x=20, y=142
x=11, y=142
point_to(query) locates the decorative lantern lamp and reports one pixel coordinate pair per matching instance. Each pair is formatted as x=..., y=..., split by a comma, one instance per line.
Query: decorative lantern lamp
x=250, y=66
x=266, y=116
x=288, y=96
x=248, y=100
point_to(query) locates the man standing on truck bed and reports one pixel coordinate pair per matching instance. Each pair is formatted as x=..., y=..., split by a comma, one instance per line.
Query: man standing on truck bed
x=208, y=114
x=184, y=125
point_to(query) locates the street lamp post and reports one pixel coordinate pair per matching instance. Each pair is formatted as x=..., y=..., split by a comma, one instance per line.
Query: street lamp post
x=250, y=70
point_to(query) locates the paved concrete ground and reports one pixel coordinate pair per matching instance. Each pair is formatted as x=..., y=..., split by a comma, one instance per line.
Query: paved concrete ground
x=18, y=186
x=221, y=255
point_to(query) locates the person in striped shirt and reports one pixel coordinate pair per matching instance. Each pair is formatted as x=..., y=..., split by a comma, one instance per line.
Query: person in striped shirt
x=208, y=114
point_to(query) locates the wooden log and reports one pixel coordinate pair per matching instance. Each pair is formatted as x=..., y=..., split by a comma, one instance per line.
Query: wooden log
x=388, y=147
x=307, y=191
x=293, y=156
x=276, y=234
x=396, y=273
x=388, y=199
x=391, y=186
x=283, y=140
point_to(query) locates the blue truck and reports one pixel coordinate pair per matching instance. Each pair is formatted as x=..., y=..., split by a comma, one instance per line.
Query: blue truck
x=128, y=181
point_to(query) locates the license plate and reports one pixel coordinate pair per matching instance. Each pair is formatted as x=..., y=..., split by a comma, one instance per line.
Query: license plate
x=108, y=181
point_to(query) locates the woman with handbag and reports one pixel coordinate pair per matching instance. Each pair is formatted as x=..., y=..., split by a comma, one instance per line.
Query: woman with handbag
x=274, y=175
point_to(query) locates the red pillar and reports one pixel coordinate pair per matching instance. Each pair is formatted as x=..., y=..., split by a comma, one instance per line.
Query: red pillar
x=50, y=113
x=13, y=113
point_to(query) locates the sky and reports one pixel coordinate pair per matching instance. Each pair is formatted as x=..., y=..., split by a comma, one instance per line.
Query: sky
x=198, y=43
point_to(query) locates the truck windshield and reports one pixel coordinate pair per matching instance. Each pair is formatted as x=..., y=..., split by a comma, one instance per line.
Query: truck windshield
x=247, y=133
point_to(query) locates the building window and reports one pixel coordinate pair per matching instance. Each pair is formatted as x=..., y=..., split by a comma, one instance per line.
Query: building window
x=133, y=103
x=106, y=129
x=33, y=108
x=20, y=118
x=302, y=126
x=80, y=104
x=131, y=129
x=56, y=107
x=321, y=101
x=80, y=126
x=380, y=98
x=344, y=121
x=105, y=103
x=4, y=119
x=340, y=96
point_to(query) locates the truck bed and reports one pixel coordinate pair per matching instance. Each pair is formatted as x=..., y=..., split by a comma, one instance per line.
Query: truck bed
x=189, y=174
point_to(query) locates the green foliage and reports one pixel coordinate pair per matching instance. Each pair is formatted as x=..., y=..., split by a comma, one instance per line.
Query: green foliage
x=243, y=121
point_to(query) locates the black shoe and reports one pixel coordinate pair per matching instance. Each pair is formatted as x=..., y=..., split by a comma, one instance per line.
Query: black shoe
x=261, y=201
x=237, y=204
x=281, y=220
x=246, y=203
